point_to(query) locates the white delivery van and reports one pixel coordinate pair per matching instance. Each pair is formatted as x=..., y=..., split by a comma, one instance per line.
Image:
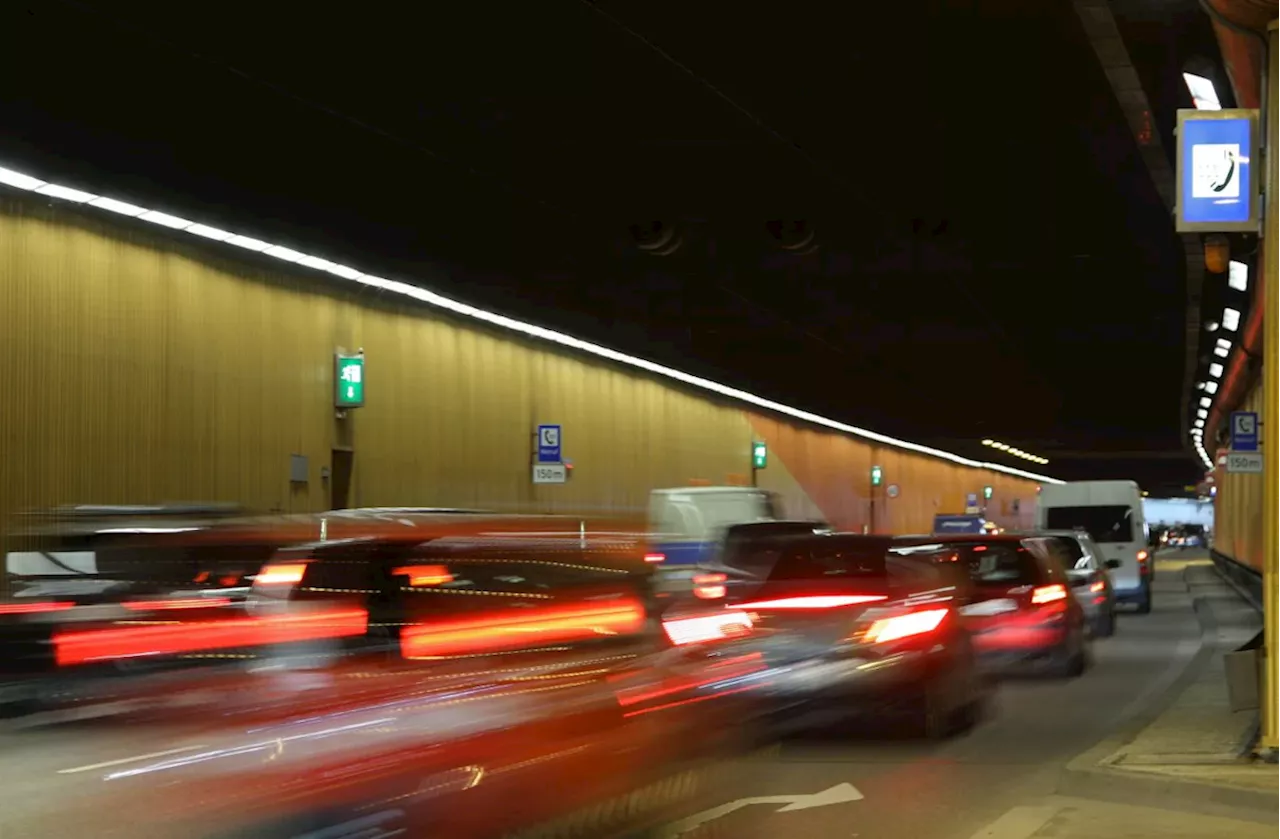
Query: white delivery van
x=1112, y=513
x=686, y=524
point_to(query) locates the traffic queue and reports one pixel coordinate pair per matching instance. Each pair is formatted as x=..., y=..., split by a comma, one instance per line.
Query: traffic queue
x=457, y=673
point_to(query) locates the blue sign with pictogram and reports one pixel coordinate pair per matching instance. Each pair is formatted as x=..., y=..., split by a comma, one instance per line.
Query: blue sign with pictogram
x=1244, y=431
x=549, y=441
x=1217, y=171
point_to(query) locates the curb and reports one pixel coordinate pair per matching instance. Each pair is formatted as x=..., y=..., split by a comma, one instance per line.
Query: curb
x=1085, y=777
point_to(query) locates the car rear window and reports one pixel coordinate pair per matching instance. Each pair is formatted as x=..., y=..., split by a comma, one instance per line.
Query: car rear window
x=828, y=562
x=998, y=564
x=1072, y=552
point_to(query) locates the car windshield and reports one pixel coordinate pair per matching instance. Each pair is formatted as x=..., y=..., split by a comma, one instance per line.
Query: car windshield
x=1111, y=523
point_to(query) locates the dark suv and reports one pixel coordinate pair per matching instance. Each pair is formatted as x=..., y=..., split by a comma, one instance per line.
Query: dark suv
x=1022, y=611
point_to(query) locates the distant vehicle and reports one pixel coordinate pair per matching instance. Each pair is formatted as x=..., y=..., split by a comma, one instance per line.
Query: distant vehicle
x=846, y=625
x=1021, y=611
x=959, y=523
x=1186, y=536
x=1090, y=579
x=687, y=524
x=1111, y=512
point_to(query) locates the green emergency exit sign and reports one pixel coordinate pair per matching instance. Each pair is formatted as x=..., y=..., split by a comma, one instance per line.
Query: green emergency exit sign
x=987, y=491
x=759, y=455
x=877, y=476
x=349, y=381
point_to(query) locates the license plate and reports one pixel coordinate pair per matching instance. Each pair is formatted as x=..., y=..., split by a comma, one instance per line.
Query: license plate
x=990, y=607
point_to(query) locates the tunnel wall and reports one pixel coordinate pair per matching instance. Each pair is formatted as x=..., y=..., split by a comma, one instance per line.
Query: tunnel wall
x=143, y=368
x=1238, y=508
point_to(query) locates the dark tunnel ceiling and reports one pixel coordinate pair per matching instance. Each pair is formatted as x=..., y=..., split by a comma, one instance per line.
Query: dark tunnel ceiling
x=994, y=261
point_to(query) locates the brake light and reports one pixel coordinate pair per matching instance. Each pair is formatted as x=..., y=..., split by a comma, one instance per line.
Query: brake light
x=655, y=559
x=1097, y=587
x=706, y=628
x=424, y=575
x=904, y=626
x=290, y=574
x=709, y=586
x=1048, y=594
x=816, y=602
x=1144, y=568
x=84, y=646
x=497, y=631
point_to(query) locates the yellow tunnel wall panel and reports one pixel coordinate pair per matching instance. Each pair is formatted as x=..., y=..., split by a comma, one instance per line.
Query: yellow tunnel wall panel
x=1238, y=507
x=142, y=369
x=833, y=472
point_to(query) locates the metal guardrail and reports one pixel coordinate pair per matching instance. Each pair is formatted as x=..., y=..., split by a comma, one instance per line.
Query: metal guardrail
x=1246, y=579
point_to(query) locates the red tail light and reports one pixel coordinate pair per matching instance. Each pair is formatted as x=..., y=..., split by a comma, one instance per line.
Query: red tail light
x=424, y=575
x=814, y=602
x=655, y=559
x=83, y=646
x=1144, y=566
x=1098, y=586
x=709, y=586
x=288, y=574
x=1048, y=594
x=706, y=628
x=904, y=626
x=493, y=632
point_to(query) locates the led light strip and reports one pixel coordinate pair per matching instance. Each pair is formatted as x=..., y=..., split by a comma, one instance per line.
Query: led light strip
x=22, y=181
x=1015, y=451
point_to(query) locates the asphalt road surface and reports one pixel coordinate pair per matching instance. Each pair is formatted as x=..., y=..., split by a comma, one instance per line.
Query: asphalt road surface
x=873, y=787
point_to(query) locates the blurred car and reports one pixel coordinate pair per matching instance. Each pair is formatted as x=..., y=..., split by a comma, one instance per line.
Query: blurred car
x=462, y=687
x=1090, y=579
x=1022, y=612
x=844, y=624
x=90, y=578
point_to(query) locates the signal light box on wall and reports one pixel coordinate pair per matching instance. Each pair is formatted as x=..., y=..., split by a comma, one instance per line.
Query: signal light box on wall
x=759, y=455
x=1217, y=171
x=348, y=380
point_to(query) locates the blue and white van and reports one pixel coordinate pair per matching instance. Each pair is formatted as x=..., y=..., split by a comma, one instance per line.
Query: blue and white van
x=687, y=524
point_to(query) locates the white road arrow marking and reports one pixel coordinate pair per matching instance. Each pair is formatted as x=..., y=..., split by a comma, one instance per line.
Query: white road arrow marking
x=839, y=794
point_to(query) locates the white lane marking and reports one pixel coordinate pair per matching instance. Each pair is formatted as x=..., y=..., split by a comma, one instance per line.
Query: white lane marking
x=109, y=763
x=1018, y=823
x=838, y=794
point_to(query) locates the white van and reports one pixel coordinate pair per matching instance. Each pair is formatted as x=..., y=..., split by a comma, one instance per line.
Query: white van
x=686, y=524
x=1112, y=513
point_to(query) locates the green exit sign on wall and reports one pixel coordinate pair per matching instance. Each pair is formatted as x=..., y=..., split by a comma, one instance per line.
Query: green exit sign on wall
x=759, y=456
x=349, y=381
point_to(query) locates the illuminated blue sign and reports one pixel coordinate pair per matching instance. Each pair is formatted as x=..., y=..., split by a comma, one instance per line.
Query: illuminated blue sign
x=1217, y=155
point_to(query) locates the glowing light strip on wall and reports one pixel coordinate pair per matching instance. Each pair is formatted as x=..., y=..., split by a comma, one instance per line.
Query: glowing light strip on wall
x=19, y=180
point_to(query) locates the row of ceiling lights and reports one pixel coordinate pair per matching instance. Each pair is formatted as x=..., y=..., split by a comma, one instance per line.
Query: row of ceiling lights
x=1016, y=452
x=1205, y=95
x=23, y=181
